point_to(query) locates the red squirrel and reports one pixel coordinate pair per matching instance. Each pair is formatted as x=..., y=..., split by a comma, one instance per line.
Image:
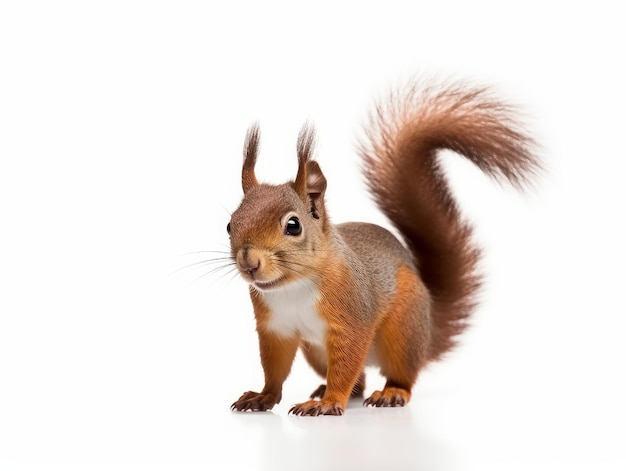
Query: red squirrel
x=351, y=295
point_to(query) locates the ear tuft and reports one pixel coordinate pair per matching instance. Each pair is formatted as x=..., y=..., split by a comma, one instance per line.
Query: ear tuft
x=250, y=151
x=306, y=143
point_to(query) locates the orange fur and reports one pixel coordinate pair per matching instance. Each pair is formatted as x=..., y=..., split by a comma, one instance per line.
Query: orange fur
x=403, y=333
x=345, y=334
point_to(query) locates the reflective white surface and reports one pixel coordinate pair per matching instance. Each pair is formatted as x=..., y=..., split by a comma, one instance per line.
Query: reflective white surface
x=121, y=128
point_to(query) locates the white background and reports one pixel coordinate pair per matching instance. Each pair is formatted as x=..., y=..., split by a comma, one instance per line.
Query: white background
x=121, y=129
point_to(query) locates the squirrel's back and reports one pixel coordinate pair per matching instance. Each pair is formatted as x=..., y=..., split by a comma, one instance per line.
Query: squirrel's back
x=379, y=252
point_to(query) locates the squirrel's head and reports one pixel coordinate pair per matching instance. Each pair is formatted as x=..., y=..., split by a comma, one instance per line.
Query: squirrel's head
x=277, y=229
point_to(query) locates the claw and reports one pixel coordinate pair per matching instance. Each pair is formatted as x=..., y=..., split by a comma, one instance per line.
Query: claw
x=388, y=397
x=316, y=408
x=256, y=402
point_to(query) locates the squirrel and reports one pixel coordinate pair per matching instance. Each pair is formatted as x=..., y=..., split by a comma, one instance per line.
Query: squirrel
x=352, y=295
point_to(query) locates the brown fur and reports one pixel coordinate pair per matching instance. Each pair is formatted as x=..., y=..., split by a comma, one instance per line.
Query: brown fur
x=409, y=186
x=352, y=293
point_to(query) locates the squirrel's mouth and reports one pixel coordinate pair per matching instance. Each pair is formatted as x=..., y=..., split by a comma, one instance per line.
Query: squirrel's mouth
x=267, y=285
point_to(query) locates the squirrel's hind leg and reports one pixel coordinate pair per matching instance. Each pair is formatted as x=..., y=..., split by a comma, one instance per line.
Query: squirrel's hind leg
x=402, y=340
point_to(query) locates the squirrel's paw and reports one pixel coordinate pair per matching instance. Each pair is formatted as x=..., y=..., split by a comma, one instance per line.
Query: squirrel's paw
x=254, y=401
x=388, y=397
x=315, y=408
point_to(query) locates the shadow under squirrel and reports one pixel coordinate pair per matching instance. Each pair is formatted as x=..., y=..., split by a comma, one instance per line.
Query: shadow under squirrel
x=352, y=294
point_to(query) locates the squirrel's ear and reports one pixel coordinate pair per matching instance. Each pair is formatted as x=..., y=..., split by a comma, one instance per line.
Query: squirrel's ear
x=250, y=151
x=315, y=179
x=310, y=182
x=316, y=187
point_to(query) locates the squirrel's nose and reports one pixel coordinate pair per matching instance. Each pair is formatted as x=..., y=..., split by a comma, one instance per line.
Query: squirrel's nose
x=249, y=261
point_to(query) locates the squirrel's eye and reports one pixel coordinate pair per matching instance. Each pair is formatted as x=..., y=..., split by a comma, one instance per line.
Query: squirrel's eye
x=293, y=227
x=228, y=228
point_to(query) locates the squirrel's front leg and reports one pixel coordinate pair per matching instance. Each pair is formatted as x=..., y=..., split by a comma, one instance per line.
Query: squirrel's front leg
x=346, y=352
x=277, y=355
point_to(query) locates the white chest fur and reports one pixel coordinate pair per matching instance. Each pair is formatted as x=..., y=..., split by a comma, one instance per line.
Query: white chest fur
x=293, y=311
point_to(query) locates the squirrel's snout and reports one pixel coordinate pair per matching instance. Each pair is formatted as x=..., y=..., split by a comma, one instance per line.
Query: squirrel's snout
x=249, y=261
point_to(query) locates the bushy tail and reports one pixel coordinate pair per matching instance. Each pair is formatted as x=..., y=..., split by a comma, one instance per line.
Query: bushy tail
x=409, y=186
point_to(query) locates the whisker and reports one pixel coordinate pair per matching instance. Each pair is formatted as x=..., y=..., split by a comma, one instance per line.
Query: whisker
x=286, y=265
x=233, y=269
x=202, y=263
x=226, y=210
x=291, y=262
x=302, y=251
x=233, y=274
x=223, y=252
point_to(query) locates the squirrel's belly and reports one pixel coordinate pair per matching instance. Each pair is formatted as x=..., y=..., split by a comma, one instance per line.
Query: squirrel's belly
x=293, y=311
